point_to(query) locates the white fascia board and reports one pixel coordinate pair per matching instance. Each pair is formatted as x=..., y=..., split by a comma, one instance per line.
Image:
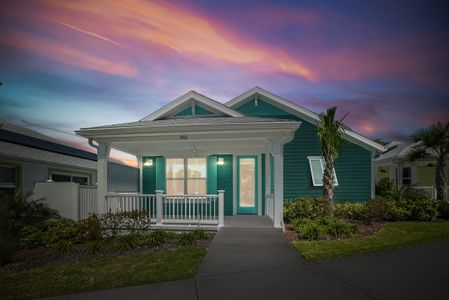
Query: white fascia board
x=182, y=128
x=304, y=113
x=186, y=97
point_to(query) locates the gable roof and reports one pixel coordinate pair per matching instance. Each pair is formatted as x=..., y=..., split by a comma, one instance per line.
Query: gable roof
x=301, y=112
x=179, y=102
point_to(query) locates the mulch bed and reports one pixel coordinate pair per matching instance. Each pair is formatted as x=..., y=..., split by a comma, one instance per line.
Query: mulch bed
x=41, y=257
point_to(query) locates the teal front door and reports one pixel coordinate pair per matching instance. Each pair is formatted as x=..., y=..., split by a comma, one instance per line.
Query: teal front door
x=247, y=185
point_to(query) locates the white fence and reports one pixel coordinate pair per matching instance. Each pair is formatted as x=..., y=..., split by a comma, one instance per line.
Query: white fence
x=172, y=209
x=87, y=201
x=428, y=191
x=269, y=198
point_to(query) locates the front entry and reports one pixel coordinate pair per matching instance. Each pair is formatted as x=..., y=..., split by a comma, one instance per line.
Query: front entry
x=247, y=185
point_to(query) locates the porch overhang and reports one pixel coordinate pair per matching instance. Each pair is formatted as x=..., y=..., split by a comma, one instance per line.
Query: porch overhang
x=203, y=138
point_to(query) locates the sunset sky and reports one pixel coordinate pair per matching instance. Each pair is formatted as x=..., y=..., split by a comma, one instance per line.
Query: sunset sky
x=72, y=64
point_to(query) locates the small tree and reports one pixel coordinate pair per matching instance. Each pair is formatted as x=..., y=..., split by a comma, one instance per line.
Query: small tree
x=330, y=132
x=433, y=144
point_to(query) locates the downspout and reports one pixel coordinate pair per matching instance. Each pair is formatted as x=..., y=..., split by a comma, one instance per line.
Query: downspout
x=91, y=143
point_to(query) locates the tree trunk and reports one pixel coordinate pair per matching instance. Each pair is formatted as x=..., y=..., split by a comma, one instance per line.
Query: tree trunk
x=441, y=179
x=328, y=183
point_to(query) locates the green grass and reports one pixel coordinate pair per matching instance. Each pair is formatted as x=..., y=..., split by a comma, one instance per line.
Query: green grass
x=392, y=236
x=101, y=273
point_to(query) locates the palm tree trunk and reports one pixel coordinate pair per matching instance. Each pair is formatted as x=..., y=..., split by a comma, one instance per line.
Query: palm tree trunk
x=328, y=183
x=441, y=179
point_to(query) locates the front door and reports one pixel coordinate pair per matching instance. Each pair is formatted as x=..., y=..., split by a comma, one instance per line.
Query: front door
x=247, y=184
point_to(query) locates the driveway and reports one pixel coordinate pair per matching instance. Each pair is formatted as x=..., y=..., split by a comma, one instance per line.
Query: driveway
x=257, y=262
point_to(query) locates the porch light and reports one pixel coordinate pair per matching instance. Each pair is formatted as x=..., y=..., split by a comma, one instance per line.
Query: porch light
x=148, y=162
x=220, y=161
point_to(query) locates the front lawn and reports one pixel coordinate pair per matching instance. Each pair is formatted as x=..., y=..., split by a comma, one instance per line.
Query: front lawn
x=101, y=273
x=392, y=236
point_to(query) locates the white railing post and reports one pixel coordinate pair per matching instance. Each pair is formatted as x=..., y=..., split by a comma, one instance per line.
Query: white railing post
x=159, y=209
x=221, y=208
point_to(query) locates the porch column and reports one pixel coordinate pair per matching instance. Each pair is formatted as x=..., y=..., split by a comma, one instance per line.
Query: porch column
x=278, y=156
x=140, y=166
x=267, y=173
x=102, y=176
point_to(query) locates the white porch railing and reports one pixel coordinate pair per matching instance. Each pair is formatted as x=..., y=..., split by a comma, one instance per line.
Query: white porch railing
x=172, y=209
x=428, y=191
x=269, y=202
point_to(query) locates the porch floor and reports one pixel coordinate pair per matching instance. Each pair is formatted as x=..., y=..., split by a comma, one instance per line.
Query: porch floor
x=248, y=222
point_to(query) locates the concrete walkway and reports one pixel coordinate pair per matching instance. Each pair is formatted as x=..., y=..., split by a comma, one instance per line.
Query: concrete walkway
x=255, y=261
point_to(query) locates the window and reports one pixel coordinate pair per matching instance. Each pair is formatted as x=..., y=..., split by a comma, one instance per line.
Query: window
x=175, y=176
x=8, y=181
x=186, y=176
x=317, y=167
x=59, y=177
x=406, y=176
x=196, y=176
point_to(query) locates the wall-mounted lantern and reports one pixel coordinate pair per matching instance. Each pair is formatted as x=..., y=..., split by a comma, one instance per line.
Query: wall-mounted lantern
x=220, y=161
x=148, y=162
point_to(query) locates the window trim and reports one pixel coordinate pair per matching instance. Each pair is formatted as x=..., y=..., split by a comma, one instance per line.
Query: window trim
x=320, y=158
x=186, y=177
x=17, y=179
x=70, y=174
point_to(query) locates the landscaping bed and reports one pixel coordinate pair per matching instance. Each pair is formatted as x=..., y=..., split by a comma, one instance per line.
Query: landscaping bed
x=42, y=254
x=403, y=219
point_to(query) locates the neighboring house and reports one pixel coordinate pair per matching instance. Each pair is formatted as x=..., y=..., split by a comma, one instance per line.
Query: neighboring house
x=28, y=157
x=258, y=149
x=395, y=165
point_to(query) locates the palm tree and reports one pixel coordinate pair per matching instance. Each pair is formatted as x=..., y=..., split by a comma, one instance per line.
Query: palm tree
x=433, y=144
x=330, y=132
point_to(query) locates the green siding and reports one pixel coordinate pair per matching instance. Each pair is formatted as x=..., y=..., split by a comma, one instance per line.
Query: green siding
x=353, y=168
x=212, y=174
x=201, y=111
x=224, y=182
x=185, y=112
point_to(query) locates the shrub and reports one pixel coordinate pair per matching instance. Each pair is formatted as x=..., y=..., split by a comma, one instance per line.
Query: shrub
x=96, y=246
x=338, y=228
x=384, y=187
x=419, y=209
x=443, y=209
x=124, y=222
x=128, y=241
x=62, y=235
x=156, y=238
x=322, y=228
x=306, y=207
x=90, y=229
x=200, y=234
x=186, y=239
x=383, y=209
x=31, y=237
x=310, y=229
x=349, y=210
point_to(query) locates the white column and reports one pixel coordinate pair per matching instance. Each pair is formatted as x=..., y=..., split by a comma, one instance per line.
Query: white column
x=102, y=176
x=159, y=207
x=221, y=208
x=279, y=190
x=373, y=176
x=140, y=166
x=267, y=173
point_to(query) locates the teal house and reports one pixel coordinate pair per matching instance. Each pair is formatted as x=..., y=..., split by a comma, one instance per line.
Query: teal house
x=201, y=160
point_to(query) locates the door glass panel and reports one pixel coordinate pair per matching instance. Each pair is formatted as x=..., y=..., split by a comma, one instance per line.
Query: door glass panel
x=247, y=182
